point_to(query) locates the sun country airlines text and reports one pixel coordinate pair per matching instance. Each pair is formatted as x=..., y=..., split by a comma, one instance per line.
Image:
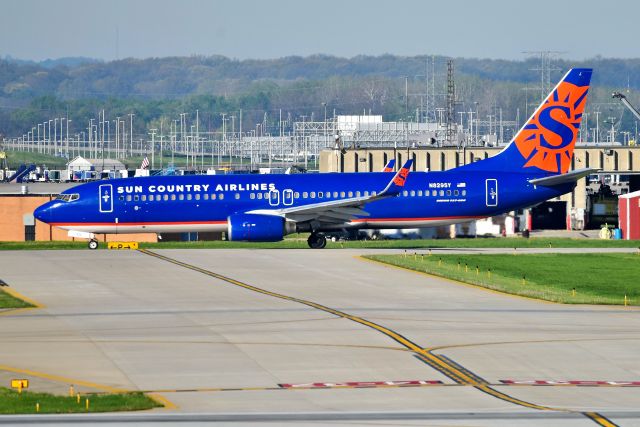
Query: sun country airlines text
x=194, y=188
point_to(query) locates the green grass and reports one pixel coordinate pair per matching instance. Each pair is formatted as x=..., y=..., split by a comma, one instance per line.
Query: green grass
x=9, y=301
x=13, y=403
x=299, y=242
x=596, y=278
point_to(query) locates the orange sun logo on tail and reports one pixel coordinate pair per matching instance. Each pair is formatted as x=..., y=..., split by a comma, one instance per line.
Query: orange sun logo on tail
x=548, y=138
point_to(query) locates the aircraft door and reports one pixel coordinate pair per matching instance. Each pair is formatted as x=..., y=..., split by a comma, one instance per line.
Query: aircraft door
x=105, y=195
x=274, y=197
x=492, y=192
x=287, y=197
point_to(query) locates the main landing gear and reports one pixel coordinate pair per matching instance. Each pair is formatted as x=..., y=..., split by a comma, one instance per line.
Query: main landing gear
x=93, y=244
x=317, y=241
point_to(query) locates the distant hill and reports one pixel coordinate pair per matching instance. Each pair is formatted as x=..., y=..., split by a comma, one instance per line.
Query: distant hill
x=163, y=87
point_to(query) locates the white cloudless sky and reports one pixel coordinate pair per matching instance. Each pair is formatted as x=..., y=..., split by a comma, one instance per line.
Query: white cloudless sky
x=41, y=29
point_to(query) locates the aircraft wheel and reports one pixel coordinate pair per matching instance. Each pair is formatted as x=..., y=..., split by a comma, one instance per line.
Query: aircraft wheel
x=317, y=241
x=93, y=244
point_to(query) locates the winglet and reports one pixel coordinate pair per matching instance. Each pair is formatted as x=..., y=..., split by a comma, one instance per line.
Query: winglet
x=397, y=182
x=389, y=166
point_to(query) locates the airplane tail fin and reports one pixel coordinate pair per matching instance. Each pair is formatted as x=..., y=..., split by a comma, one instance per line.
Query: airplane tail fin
x=545, y=143
x=397, y=182
x=389, y=166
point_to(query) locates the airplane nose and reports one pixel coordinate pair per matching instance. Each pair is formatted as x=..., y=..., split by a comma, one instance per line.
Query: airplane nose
x=43, y=213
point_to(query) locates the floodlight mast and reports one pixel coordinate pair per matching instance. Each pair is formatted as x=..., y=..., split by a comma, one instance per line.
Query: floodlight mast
x=626, y=103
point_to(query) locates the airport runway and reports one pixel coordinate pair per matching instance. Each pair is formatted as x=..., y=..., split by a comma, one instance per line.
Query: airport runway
x=310, y=336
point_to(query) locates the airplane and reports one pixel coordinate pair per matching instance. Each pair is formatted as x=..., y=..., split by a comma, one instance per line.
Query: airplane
x=532, y=168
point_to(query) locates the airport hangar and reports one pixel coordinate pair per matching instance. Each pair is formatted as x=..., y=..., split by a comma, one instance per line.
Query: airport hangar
x=620, y=165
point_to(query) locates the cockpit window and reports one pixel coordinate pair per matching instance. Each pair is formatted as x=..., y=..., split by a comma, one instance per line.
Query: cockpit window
x=68, y=197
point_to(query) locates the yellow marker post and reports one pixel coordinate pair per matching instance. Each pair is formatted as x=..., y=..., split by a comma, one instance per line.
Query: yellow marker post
x=19, y=384
x=78, y=397
x=625, y=301
x=86, y=403
x=37, y=407
x=477, y=270
x=71, y=390
x=466, y=268
x=489, y=273
x=573, y=292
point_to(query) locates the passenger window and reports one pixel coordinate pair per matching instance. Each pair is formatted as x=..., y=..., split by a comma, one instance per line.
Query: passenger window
x=320, y=195
x=373, y=193
x=206, y=196
x=197, y=196
x=252, y=196
x=312, y=194
x=405, y=193
x=143, y=197
x=121, y=198
x=413, y=193
x=350, y=194
x=296, y=195
x=304, y=195
x=128, y=197
x=237, y=196
x=441, y=192
x=455, y=192
x=448, y=192
x=335, y=194
x=342, y=194
x=173, y=196
x=366, y=193
x=357, y=194
x=181, y=197
x=189, y=196
x=434, y=193
x=259, y=195
x=419, y=193
x=165, y=197
x=221, y=196
x=213, y=197
x=136, y=198
x=464, y=192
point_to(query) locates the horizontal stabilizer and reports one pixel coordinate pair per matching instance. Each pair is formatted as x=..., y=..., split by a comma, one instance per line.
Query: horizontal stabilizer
x=572, y=176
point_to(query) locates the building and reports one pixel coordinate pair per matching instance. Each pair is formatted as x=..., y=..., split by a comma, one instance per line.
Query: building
x=619, y=166
x=629, y=215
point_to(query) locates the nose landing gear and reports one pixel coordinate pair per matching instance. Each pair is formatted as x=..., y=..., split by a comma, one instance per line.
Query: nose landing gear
x=93, y=244
x=317, y=241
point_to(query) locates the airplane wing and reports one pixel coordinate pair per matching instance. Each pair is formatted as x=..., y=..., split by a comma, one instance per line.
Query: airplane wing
x=572, y=176
x=340, y=211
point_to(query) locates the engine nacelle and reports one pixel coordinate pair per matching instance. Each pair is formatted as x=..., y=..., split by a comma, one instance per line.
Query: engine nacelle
x=257, y=228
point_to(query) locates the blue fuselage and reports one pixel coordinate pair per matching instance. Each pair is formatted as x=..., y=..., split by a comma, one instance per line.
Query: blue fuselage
x=204, y=203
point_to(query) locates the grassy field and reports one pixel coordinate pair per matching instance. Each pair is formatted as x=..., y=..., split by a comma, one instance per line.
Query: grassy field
x=596, y=278
x=13, y=403
x=299, y=242
x=9, y=301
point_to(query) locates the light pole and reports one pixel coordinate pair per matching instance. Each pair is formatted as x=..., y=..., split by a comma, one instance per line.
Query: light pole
x=131, y=133
x=68, y=121
x=49, y=133
x=153, y=148
x=55, y=136
x=39, y=124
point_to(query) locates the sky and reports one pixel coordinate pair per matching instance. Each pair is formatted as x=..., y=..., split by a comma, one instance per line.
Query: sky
x=116, y=29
